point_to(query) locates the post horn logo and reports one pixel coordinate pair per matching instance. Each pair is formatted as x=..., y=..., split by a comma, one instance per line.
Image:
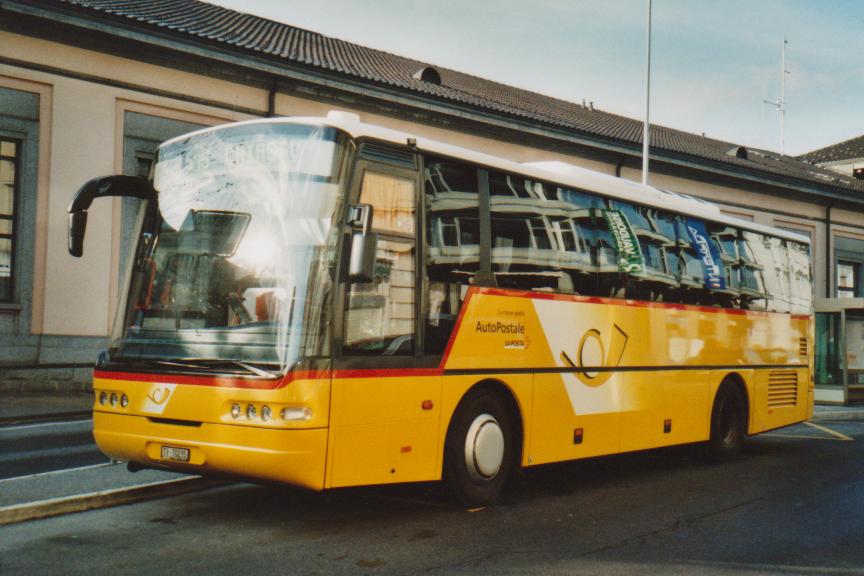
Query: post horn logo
x=159, y=395
x=591, y=355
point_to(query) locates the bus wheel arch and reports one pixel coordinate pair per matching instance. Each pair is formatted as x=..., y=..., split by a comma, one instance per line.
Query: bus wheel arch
x=483, y=446
x=730, y=415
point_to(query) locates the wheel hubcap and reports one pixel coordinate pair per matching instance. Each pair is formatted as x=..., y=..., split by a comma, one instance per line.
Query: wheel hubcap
x=484, y=447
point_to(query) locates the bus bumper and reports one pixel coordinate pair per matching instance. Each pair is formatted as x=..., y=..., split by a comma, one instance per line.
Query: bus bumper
x=294, y=457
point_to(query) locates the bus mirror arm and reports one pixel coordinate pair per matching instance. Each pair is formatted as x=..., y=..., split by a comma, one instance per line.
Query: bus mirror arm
x=364, y=242
x=104, y=186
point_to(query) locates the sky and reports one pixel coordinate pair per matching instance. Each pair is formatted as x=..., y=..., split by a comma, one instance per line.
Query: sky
x=713, y=63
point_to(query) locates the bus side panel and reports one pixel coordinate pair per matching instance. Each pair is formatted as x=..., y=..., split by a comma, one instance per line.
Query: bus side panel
x=664, y=407
x=558, y=420
x=384, y=430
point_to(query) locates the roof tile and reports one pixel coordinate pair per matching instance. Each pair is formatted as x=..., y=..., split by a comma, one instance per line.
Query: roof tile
x=192, y=18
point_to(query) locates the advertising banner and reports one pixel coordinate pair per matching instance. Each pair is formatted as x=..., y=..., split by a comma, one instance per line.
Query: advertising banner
x=712, y=266
x=629, y=254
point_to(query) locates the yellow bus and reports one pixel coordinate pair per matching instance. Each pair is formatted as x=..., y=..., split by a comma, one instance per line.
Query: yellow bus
x=328, y=303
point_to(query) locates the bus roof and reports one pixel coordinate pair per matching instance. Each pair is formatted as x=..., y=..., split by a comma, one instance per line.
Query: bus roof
x=555, y=171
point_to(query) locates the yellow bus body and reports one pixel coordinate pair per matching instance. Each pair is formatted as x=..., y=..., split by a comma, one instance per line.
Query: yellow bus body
x=589, y=376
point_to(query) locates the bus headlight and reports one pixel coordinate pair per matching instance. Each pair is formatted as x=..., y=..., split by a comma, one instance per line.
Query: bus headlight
x=297, y=413
x=251, y=412
x=103, y=398
x=266, y=413
x=113, y=399
x=236, y=410
x=124, y=401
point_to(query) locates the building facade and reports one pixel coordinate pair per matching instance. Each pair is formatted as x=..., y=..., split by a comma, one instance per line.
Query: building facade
x=91, y=87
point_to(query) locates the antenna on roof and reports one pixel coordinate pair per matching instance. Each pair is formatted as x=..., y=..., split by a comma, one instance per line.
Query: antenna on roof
x=781, y=104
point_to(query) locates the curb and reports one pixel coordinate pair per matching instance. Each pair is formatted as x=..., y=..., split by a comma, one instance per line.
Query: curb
x=104, y=499
x=839, y=415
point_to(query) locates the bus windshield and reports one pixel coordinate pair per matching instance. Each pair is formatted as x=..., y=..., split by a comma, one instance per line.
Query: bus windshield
x=236, y=265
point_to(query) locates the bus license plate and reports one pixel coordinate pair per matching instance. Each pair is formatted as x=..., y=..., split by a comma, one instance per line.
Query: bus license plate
x=175, y=454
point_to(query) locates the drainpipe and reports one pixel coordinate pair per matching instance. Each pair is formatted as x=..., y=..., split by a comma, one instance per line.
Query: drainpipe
x=828, y=258
x=618, y=166
x=271, y=99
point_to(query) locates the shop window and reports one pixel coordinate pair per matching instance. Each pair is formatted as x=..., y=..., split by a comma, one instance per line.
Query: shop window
x=848, y=279
x=9, y=184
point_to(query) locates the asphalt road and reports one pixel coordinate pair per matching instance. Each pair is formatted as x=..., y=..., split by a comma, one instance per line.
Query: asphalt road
x=793, y=504
x=35, y=448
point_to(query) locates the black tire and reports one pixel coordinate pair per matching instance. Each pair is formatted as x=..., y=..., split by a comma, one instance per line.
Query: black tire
x=476, y=467
x=728, y=423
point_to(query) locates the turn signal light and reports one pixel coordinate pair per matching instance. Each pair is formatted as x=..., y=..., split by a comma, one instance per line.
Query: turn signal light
x=297, y=413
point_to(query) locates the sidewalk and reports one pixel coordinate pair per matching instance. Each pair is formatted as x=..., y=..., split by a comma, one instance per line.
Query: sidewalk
x=830, y=412
x=21, y=407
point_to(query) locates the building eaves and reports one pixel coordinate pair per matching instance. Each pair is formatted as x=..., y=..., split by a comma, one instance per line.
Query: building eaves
x=287, y=45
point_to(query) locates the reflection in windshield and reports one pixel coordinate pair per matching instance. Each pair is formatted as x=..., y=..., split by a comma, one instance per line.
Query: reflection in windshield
x=238, y=268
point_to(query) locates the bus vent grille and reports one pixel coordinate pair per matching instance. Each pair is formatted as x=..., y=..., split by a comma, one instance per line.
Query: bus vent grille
x=782, y=388
x=388, y=154
x=802, y=347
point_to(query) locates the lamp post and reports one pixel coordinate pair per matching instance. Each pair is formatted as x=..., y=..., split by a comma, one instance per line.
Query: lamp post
x=646, y=132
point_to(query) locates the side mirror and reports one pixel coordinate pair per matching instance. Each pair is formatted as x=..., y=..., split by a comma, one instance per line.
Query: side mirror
x=364, y=243
x=77, y=226
x=129, y=186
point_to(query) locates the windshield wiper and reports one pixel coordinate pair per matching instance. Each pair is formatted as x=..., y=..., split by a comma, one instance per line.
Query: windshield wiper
x=209, y=365
x=255, y=370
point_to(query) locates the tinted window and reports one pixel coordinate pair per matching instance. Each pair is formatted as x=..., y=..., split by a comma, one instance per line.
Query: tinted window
x=543, y=236
x=452, y=244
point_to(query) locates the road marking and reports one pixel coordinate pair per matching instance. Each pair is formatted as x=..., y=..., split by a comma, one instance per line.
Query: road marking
x=54, y=472
x=832, y=434
x=827, y=430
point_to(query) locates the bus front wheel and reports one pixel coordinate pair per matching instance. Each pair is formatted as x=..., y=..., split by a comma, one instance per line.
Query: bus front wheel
x=478, y=455
x=728, y=423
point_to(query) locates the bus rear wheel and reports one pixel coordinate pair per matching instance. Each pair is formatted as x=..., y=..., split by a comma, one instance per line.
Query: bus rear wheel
x=728, y=423
x=479, y=452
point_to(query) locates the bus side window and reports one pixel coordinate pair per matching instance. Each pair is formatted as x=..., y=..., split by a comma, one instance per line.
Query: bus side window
x=543, y=236
x=379, y=319
x=801, y=288
x=452, y=245
x=764, y=272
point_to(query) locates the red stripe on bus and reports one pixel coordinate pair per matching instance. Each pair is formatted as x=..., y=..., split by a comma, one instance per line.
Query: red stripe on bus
x=387, y=372
x=215, y=381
